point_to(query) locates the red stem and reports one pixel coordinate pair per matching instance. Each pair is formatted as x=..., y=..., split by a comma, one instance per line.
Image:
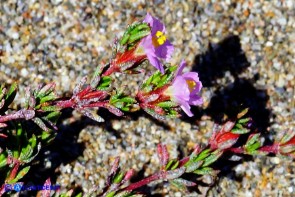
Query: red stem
x=97, y=104
x=237, y=150
x=154, y=177
x=65, y=104
x=14, y=171
x=183, y=161
x=270, y=149
x=110, y=70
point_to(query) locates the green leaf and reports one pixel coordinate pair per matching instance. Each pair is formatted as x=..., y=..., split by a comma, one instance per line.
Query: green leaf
x=175, y=165
x=53, y=116
x=172, y=114
x=254, y=138
x=156, y=79
x=127, y=109
x=33, y=141
x=19, y=132
x=202, y=155
x=3, y=160
x=131, y=30
x=184, y=182
x=119, y=105
x=104, y=82
x=176, y=173
x=20, y=175
x=237, y=130
x=253, y=147
x=167, y=104
x=26, y=152
x=177, y=184
x=212, y=158
x=204, y=171
x=124, y=38
x=288, y=135
x=50, y=97
x=2, y=91
x=287, y=148
x=118, y=178
x=47, y=137
x=244, y=120
x=169, y=74
x=140, y=27
x=192, y=166
x=10, y=95
x=138, y=35
x=127, y=99
x=242, y=113
x=41, y=124
x=46, y=90
x=79, y=195
x=111, y=194
x=168, y=165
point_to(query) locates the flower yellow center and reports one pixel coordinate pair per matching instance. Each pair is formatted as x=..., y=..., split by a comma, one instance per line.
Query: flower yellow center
x=191, y=84
x=159, y=39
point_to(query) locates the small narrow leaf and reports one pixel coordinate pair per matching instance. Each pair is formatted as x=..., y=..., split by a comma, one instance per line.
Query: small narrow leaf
x=244, y=120
x=173, y=174
x=3, y=160
x=287, y=148
x=92, y=115
x=242, y=113
x=167, y=104
x=204, y=171
x=47, y=89
x=212, y=158
x=111, y=194
x=169, y=164
x=21, y=174
x=192, y=166
x=240, y=130
x=175, y=165
x=185, y=182
x=128, y=100
x=288, y=135
x=138, y=35
x=124, y=38
x=50, y=97
x=10, y=95
x=118, y=177
x=252, y=139
x=26, y=153
x=41, y=124
x=202, y=155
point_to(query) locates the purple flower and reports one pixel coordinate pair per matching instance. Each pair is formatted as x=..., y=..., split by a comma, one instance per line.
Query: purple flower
x=156, y=46
x=185, y=89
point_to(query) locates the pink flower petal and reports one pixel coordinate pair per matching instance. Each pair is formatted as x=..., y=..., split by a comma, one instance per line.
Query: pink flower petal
x=180, y=89
x=165, y=50
x=186, y=108
x=195, y=100
x=155, y=62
